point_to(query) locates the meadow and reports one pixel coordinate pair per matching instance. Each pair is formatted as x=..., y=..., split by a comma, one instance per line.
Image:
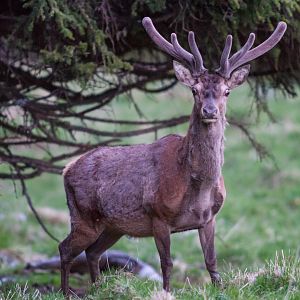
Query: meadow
x=258, y=228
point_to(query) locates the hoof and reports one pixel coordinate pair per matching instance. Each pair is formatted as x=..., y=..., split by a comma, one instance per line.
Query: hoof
x=216, y=279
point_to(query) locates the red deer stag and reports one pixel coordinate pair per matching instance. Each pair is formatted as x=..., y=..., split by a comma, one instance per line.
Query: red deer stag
x=172, y=185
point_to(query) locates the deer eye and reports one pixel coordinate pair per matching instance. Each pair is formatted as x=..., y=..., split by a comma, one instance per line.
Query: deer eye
x=194, y=91
x=227, y=92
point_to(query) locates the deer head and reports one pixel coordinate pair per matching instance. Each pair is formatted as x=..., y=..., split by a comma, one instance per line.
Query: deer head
x=211, y=90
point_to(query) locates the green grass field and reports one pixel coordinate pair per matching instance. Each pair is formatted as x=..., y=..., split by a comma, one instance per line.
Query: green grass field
x=258, y=228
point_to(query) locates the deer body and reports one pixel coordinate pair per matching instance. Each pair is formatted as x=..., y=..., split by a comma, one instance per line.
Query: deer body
x=124, y=186
x=174, y=184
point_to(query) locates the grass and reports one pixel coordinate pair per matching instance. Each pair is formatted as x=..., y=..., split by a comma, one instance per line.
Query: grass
x=278, y=279
x=260, y=217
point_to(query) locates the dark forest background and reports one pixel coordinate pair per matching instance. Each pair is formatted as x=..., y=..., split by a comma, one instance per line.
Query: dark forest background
x=62, y=61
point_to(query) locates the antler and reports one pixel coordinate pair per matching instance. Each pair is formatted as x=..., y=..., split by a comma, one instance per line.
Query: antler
x=244, y=55
x=193, y=61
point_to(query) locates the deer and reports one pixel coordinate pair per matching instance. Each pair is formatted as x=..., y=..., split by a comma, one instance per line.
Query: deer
x=174, y=184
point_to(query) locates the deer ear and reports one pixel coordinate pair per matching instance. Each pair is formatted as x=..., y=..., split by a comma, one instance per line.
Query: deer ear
x=238, y=77
x=183, y=74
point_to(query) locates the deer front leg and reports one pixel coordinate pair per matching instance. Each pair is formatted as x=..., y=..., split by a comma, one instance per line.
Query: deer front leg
x=161, y=233
x=207, y=239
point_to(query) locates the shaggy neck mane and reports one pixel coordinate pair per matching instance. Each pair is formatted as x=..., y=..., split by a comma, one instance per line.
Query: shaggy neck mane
x=204, y=148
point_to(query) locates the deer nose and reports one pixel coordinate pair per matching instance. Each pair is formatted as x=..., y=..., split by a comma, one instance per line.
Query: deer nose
x=209, y=111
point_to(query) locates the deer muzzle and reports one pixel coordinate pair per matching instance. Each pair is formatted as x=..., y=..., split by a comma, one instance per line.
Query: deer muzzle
x=209, y=113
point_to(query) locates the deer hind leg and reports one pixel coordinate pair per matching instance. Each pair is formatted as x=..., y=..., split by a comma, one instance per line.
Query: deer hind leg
x=80, y=238
x=207, y=239
x=161, y=233
x=93, y=252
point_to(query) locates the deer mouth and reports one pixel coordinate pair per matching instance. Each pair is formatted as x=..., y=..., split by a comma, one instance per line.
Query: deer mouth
x=209, y=120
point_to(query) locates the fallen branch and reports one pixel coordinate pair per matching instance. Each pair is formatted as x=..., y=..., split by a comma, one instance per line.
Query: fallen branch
x=111, y=259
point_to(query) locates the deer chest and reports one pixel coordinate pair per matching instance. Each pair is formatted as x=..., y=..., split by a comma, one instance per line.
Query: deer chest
x=198, y=208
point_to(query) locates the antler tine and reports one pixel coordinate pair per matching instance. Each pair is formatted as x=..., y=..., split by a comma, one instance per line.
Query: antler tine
x=224, y=62
x=227, y=65
x=245, y=55
x=186, y=56
x=192, y=61
x=199, y=67
x=238, y=55
x=161, y=42
x=266, y=45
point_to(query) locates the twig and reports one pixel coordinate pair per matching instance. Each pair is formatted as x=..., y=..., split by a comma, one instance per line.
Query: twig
x=30, y=204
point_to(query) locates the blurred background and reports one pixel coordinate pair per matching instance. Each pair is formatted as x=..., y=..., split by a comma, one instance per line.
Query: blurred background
x=78, y=74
